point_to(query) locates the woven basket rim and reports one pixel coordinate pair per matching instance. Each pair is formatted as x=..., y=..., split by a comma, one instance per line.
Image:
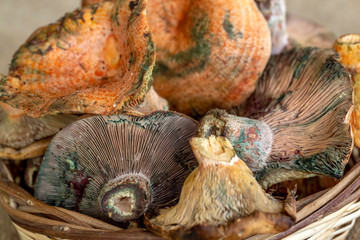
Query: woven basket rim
x=314, y=211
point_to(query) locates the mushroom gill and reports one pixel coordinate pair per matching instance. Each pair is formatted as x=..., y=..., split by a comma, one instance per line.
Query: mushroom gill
x=118, y=167
x=220, y=190
x=98, y=59
x=295, y=123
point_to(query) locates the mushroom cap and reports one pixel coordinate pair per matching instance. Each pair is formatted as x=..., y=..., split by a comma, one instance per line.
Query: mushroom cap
x=348, y=47
x=98, y=59
x=303, y=97
x=121, y=158
x=223, y=45
x=85, y=3
x=220, y=190
x=24, y=137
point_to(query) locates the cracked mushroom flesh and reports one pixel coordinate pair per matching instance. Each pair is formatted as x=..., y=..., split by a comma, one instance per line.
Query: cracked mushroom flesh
x=98, y=59
x=295, y=124
x=118, y=167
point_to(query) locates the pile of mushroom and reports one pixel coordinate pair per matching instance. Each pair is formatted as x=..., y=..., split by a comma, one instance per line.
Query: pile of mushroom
x=262, y=121
x=295, y=123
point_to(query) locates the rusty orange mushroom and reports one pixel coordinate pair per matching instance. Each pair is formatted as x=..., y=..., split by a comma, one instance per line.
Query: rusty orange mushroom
x=221, y=45
x=208, y=53
x=97, y=59
x=348, y=47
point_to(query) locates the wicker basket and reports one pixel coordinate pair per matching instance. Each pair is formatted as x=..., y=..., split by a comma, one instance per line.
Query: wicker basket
x=329, y=214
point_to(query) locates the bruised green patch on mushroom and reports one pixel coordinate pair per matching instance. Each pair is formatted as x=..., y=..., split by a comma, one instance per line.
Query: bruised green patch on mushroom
x=229, y=28
x=201, y=51
x=111, y=55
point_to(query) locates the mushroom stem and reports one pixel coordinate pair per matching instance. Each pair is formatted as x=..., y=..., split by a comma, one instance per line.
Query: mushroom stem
x=348, y=47
x=221, y=189
x=126, y=197
x=251, y=139
x=274, y=12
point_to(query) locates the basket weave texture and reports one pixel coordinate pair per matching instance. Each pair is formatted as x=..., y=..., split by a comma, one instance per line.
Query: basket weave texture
x=329, y=214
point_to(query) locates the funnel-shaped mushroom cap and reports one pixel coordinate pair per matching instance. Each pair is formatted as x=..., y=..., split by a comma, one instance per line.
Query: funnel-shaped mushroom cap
x=24, y=137
x=348, y=47
x=95, y=60
x=118, y=166
x=208, y=53
x=220, y=190
x=294, y=125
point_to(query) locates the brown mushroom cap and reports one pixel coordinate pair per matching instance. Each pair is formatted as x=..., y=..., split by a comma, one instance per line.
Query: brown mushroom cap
x=117, y=167
x=295, y=123
x=208, y=53
x=217, y=192
x=24, y=137
x=97, y=59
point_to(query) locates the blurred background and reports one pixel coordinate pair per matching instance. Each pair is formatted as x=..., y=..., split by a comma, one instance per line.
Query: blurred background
x=19, y=18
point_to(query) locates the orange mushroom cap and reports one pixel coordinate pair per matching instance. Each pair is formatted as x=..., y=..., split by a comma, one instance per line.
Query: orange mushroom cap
x=95, y=60
x=208, y=53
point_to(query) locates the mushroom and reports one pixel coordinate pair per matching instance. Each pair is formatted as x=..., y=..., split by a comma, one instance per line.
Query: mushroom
x=348, y=47
x=118, y=167
x=288, y=31
x=206, y=43
x=23, y=137
x=223, y=45
x=153, y=102
x=220, y=190
x=295, y=124
x=31, y=172
x=274, y=12
x=85, y=3
x=98, y=59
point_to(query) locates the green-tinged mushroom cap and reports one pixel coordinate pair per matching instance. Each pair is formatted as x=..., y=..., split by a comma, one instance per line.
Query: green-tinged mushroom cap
x=97, y=59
